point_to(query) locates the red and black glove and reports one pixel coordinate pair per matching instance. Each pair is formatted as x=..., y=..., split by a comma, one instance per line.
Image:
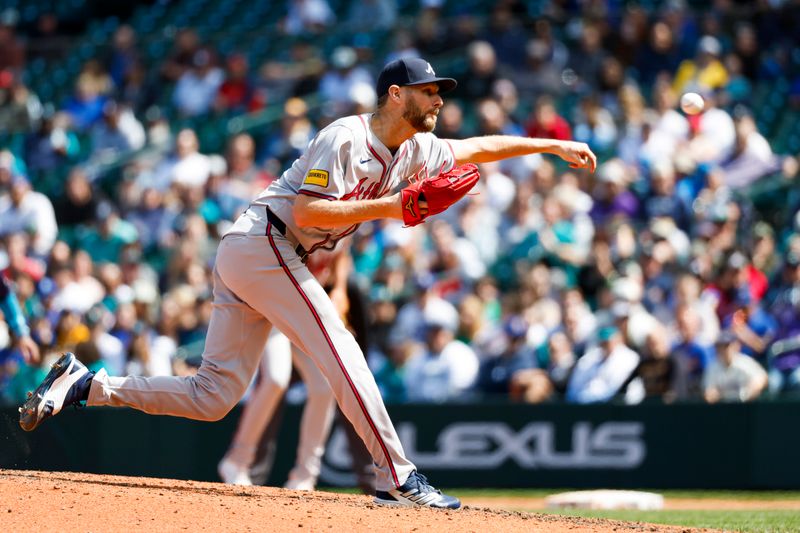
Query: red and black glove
x=440, y=192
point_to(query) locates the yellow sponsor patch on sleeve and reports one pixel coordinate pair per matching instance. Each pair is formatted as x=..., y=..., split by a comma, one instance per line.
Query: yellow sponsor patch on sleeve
x=317, y=177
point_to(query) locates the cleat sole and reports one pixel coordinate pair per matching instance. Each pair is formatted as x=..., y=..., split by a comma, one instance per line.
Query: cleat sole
x=29, y=418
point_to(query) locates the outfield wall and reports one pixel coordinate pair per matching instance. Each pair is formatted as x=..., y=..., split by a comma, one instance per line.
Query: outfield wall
x=750, y=446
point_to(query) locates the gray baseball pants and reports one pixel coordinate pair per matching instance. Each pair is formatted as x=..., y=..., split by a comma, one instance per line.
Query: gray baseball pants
x=259, y=281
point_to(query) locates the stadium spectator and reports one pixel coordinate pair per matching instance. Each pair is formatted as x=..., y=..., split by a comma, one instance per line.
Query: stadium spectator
x=613, y=201
x=754, y=327
x=655, y=377
x=238, y=93
x=117, y=133
x=142, y=360
x=371, y=15
x=556, y=359
x=124, y=55
x=78, y=204
x=92, y=90
x=444, y=370
x=587, y=60
x=196, y=89
x=337, y=86
x=430, y=38
x=540, y=76
x=737, y=285
x=660, y=56
x=181, y=57
x=732, y=376
x=12, y=46
x=752, y=156
x=89, y=288
x=612, y=79
x=603, y=371
x=137, y=90
x=783, y=355
x=391, y=371
x=105, y=239
x=662, y=200
x=690, y=354
x=453, y=259
x=154, y=221
x=704, y=71
x=28, y=211
x=481, y=72
x=506, y=35
x=286, y=144
x=186, y=167
x=545, y=121
x=746, y=47
x=667, y=129
x=20, y=108
x=635, y=323
x=714, y=132
x=308, y=16
x=476, y=329
x=496, y=373
x=579, y=323
x=594, y=125
x=14, y=320
x=632, y=245
x=20, y=261
x=48, y=40
x=426, y=305
x=51, y=146
x=451, y=121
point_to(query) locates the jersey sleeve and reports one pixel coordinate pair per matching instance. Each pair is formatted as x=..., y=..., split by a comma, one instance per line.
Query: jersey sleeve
x=327, y=160
x=438, y=154
x=10, y=308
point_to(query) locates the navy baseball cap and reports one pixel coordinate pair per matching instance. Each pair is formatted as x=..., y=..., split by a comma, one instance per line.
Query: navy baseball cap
x=411, y=71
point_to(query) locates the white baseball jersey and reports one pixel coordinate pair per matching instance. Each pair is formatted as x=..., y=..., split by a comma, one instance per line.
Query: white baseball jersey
x=345, y=161
x=260, y=281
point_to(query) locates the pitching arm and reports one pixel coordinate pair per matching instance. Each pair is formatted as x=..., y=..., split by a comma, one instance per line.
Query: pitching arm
x=497, y=147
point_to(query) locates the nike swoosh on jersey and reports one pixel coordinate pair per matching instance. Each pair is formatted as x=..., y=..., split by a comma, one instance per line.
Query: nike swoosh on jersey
x=362, y=161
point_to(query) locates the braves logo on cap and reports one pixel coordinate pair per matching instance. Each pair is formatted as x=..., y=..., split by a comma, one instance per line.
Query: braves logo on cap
x=429, y=70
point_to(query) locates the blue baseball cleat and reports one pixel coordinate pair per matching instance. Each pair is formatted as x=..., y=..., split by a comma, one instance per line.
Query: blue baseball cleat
x=416, y=492
x=67, y=383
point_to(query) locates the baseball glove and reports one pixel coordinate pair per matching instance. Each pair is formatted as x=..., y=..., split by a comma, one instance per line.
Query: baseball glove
x=440, y=192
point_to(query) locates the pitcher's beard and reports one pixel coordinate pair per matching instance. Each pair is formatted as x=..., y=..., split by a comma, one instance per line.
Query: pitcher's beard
x=418, y=119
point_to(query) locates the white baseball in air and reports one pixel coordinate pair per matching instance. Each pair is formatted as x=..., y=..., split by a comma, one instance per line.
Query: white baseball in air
x=692, y=103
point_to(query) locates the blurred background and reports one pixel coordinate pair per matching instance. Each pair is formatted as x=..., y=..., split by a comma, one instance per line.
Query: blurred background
x=571, y=326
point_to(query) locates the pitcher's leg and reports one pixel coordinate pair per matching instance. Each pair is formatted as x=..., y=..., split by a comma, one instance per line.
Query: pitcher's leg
x=274, y=374
x=295, y=303
x=315, y=424
x=234, y=342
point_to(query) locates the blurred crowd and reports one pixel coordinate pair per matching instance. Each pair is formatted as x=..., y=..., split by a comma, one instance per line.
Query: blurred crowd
x=657, y=278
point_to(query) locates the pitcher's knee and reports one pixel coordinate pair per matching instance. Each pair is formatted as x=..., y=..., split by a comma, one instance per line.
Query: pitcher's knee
x=214, y=398
x=216, y=412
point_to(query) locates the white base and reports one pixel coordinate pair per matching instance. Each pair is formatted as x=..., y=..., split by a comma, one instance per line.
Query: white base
x=606, y=499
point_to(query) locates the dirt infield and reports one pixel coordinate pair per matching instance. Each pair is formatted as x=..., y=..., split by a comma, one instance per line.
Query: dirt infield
x=37, y=501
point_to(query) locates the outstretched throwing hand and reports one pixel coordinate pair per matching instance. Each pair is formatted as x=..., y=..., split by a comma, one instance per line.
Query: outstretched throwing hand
x=577, y=154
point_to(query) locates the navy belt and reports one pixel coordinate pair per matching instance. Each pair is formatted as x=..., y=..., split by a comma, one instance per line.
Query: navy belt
x=281, y=227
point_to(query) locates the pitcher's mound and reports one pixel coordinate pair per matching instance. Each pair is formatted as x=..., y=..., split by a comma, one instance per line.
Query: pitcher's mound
x=61, y=501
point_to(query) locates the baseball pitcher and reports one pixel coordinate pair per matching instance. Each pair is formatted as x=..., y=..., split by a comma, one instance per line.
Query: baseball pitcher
x=346, y=176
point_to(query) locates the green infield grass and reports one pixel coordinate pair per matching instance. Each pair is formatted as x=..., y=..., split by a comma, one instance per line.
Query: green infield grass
x=749, y=521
